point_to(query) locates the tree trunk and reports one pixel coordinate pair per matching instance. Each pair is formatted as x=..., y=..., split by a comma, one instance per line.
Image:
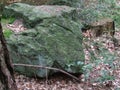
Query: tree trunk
x=7, y=81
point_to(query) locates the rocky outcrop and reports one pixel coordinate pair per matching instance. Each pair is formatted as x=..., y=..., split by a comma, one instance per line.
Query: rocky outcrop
x=72, y=3
x=53, y=40
x=35, y=14
x=101, y=27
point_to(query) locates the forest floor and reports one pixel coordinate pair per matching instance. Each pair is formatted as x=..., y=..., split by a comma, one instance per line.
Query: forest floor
x=61, y=81
x=64, y=82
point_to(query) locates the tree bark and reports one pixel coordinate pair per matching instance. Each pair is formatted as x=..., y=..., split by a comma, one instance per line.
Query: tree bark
x=7, y=81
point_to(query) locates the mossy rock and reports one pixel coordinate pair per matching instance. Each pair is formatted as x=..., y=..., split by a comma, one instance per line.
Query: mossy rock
x=55, y=40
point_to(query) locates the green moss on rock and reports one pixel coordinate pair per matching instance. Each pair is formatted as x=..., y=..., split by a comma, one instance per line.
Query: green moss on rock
x=56, y=41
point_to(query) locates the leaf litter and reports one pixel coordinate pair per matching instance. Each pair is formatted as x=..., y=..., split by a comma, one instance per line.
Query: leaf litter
x=99, y=76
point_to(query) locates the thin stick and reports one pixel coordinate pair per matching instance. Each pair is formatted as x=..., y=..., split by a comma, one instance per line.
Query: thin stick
x=51, y=68
x=46, y=79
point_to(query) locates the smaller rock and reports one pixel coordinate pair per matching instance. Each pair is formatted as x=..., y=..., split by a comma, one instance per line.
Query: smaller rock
x=103, y=26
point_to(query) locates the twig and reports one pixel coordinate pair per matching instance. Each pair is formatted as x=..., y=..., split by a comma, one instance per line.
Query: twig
x=50, y=68
x=46, y=79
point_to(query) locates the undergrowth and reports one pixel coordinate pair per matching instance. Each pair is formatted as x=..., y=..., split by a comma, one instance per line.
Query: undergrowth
x=7, y=32
x=100, y=67
x=98, y=9
x=100, y=70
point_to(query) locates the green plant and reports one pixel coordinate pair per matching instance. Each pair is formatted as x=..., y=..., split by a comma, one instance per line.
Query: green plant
x=100, y=67
x=103, y=74
x=7, y=33
x=108, y=8
x=8, y=20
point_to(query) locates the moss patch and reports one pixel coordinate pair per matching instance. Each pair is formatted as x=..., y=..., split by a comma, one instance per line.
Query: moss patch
x=7, y=32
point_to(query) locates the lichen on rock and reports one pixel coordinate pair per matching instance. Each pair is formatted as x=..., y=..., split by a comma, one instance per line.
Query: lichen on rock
x=53, y=40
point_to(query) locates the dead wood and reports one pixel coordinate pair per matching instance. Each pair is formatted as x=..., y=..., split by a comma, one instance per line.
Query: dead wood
x=51, y=68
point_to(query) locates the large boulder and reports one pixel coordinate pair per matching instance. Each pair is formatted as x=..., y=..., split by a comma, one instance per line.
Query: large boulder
x=54, y=40
x=34, y=2
x=35, y=14
x=72, y=3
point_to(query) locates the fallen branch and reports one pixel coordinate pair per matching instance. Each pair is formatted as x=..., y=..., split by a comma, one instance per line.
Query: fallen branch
x=50, y=68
